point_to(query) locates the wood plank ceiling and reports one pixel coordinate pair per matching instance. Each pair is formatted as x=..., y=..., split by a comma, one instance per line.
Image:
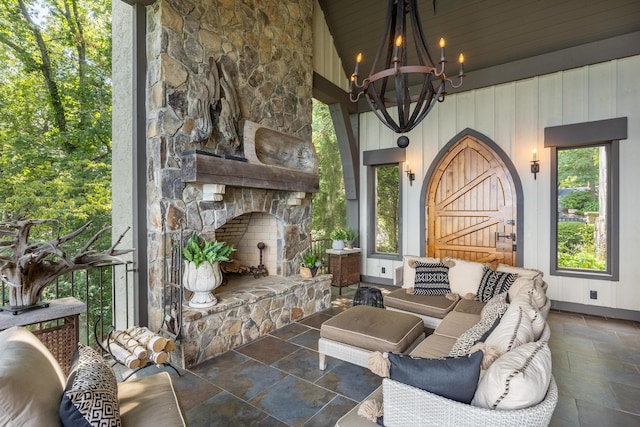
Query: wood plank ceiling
x=488, y=32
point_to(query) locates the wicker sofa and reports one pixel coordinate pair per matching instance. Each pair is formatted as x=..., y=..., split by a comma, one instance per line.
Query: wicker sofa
x=32, y=386
x=406, y=406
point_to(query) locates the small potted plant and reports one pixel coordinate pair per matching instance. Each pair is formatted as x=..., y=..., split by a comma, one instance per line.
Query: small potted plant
x=351, y=235
x=202, y=269
x=338, y=236
x=309, y=266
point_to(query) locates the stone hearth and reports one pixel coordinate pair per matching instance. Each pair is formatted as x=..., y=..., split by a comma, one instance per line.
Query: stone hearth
x=247, y=309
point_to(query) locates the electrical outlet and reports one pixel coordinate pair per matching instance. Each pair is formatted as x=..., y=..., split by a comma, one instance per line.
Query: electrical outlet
x=593, y=295
x=384, y=270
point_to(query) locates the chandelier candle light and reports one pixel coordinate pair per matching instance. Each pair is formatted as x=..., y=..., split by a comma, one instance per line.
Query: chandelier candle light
x=395, y=67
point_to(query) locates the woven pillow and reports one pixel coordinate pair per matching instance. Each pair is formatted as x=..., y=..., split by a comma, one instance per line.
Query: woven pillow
x=91, y=395
x=518, y=379
x=409, y=268
x=514, y=329
x=454, y=378
x=489, y=318
x=494, y=283
x=431, y=279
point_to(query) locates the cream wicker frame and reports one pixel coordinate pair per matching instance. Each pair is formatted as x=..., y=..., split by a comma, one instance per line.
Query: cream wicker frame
x=406, y=406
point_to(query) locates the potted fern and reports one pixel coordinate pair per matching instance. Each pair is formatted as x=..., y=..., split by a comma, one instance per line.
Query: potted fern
x=202, y=269
x=309, y=266
x=350, y=237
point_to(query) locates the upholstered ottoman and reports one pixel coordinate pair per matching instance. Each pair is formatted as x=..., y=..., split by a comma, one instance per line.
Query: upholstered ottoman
x=353, y=334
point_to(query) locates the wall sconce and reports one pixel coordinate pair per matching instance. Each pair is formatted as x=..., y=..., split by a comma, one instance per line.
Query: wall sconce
x=535, y=163
x=411, y=175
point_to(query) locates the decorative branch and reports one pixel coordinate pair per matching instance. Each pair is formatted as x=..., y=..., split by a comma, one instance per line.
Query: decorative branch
x=29, y=268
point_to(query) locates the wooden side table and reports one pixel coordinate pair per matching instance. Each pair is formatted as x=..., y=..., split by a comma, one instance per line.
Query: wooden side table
x=345, y=267
x=57, y=326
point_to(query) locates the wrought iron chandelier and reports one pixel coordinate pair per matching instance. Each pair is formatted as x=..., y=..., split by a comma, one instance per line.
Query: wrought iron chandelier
x=395, y=45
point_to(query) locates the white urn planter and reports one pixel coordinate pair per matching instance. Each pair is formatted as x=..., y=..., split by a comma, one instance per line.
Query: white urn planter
x=202, y=281
x=338, y=245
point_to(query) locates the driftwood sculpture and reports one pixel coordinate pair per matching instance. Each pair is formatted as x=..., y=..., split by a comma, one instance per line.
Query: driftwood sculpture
x=29, y=267
x=215, y=99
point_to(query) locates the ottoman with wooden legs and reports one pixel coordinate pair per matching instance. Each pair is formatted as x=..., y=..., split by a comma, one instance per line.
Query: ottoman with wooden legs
x=353, y=334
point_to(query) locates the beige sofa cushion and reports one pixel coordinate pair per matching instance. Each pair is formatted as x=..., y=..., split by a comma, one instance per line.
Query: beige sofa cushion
x=409, y=270
x=31, y=381
x=373, y=328
x=456, y=323
x=433, y=347
x=434, y=306
x=518, y=379
x=464, y=276
x=150, y=401
x=470, y=306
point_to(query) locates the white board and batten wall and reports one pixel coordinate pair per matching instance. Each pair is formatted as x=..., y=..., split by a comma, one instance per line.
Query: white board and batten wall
x=514, y=116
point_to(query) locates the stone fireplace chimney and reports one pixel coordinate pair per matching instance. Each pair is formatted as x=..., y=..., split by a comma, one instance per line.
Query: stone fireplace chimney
x=229, y=131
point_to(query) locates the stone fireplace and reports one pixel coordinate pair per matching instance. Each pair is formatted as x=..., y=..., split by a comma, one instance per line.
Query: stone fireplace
x=229, y=156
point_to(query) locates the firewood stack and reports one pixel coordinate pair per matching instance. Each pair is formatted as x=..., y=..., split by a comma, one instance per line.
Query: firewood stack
x=138, y=346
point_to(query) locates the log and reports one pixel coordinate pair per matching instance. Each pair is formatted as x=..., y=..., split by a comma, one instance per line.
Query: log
x=159, y=358
x=121, y=354
x=131, y=344
x=147, y=338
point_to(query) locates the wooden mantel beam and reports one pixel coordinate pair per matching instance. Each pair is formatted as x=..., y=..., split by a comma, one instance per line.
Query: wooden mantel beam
x=204, y=168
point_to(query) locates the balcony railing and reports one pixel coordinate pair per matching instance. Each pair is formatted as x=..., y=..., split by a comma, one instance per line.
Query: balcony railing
x=319, y=248
x=106, y=290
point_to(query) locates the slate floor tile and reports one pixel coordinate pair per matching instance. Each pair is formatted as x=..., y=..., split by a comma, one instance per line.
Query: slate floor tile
x=267, y=349
x=293, y=401
x=213, y=367
x=308, y=339
x=332, y=412
x=315, y=320
x=302, y=364
x=226, y=410
x=248, y=379
x=349, y=380
x=289, y=331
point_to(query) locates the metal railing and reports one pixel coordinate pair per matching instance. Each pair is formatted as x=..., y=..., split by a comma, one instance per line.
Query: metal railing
x=100, y=288
x=319, y=248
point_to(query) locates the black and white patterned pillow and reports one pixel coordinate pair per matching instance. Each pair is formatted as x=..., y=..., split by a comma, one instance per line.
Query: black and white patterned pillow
x=489, y=318
x=431, y=279
x=91, y=395
x=494, y=283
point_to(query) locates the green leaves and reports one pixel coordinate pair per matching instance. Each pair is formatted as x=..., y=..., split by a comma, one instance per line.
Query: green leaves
x=49, y=171
x=198, y=250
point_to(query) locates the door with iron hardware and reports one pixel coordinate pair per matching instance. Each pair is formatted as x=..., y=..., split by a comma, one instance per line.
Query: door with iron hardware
x=471, y=205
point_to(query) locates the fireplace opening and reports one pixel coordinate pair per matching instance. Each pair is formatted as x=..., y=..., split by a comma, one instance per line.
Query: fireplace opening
x=255, y=237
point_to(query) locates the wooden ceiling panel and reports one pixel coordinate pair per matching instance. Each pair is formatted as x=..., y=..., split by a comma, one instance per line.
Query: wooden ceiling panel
x=488, y=32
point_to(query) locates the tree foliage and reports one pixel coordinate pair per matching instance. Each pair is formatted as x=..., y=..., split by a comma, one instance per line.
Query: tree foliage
x=387, y=208
x=55, y=111
x=329, y=206
x=578, y=167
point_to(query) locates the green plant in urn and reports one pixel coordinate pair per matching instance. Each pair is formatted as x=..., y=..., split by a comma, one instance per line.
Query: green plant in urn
x=202, y=269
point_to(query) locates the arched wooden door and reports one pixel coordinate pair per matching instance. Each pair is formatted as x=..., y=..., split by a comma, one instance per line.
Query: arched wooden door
x=471, y=204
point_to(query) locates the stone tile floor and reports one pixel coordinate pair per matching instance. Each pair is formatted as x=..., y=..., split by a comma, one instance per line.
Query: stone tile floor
x=275, y=380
